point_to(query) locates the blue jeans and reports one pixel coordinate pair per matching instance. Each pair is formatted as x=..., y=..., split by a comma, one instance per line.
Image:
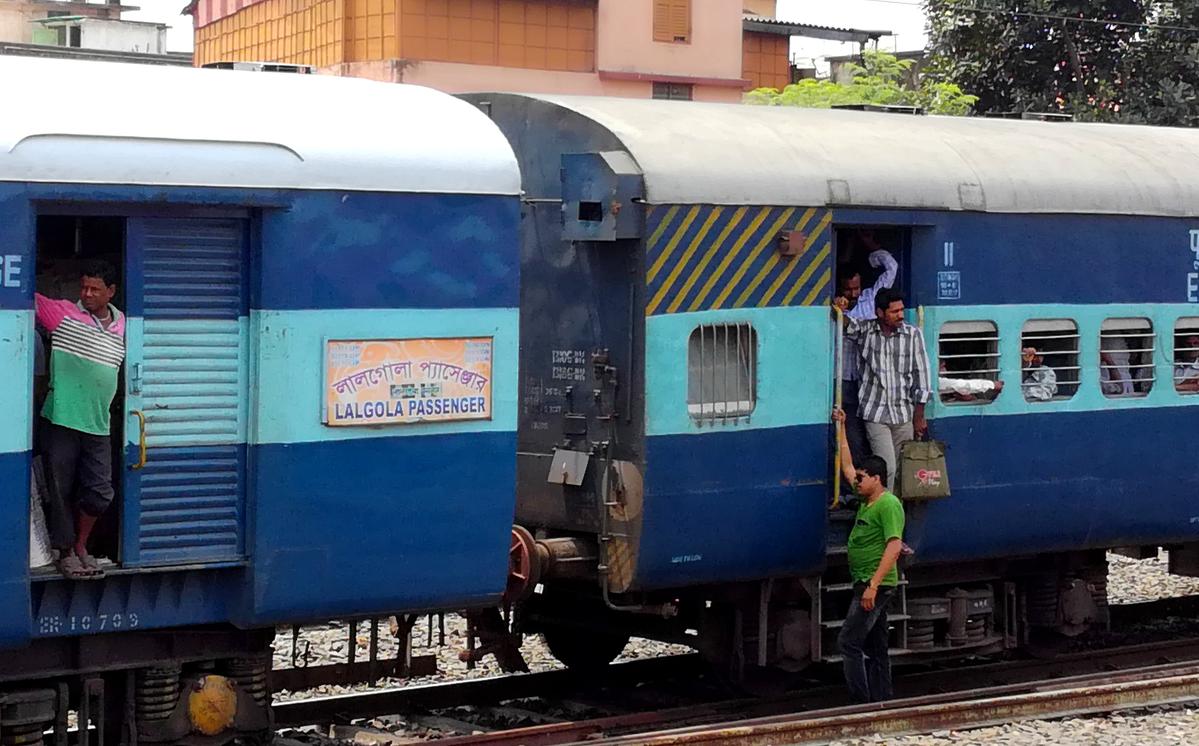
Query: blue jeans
x=864, y=647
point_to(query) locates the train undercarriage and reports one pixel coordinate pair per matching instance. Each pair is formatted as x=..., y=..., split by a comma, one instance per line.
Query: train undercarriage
x=202, y=686
x=939, y=611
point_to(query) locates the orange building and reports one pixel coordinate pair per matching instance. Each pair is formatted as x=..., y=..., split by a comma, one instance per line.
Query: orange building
x=702, y=49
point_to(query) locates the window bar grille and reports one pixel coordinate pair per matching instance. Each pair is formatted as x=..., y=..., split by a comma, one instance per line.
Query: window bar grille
x=1178, y=365
x=736, y=378
x=753, y=366
x=1138, y=372
x=725, y=385
x=702, y=364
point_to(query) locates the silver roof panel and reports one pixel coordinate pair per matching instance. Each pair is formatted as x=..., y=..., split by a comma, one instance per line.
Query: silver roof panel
x=107, y=123
x=708, y=153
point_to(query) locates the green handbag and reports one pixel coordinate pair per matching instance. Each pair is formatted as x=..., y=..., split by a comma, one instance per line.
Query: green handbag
x=922, y=471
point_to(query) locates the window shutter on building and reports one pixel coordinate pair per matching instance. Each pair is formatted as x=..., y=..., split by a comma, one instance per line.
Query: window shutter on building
x=672, y=20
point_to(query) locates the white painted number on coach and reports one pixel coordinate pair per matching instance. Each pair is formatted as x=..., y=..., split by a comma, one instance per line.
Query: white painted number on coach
x=57, y=625
x=10, y=270
x=1193, y=277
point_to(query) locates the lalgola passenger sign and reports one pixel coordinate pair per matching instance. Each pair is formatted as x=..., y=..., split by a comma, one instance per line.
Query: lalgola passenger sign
x=387, y=382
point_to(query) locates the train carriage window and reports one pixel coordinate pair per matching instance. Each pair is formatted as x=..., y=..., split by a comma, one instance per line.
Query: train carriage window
x=722, y=372
x=968, y=362
x=1126, y=358
x=1186, y=355
x=1049, y=360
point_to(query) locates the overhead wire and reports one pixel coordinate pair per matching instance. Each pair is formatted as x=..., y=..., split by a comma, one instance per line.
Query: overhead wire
x=1046, y=16
x=1061, y=17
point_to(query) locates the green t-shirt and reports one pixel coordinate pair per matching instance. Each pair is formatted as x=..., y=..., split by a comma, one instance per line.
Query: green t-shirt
x=875, y=525
x=85, y=364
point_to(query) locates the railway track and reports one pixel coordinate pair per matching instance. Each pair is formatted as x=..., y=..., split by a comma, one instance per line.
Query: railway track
x=1145, y=687
x=634, y=699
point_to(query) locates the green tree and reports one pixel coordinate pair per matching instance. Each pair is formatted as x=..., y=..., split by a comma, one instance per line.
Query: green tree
x=880, y=79
x=1164, y=68
x=1100, y=60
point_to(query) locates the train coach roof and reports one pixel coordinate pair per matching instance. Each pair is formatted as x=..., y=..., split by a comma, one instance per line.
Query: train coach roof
x=108, y=123
x=707, y=153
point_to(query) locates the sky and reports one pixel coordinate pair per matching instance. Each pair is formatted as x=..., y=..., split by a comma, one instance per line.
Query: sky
x=903, y=17
x=179, y=35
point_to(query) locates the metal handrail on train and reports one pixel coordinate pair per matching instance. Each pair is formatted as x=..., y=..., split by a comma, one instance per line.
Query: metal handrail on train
x=839, y=365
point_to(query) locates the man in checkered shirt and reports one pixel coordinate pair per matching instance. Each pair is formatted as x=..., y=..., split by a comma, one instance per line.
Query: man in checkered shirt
x=895, y=380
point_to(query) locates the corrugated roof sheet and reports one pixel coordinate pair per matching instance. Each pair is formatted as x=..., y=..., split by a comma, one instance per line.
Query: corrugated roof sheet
x=768, y=25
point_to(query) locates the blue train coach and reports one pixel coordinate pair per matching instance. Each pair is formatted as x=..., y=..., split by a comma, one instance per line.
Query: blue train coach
x=318, y=410
x=678, y=365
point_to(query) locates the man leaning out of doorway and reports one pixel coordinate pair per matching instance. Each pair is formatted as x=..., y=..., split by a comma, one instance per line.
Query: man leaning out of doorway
x=87, y=347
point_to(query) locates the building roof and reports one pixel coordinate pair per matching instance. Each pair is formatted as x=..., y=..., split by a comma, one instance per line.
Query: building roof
x=157, y=125
x=909, y=54
x=765, y=25
x=708, y=153
x=66, y=20
x=181, y=59
x=108, y=7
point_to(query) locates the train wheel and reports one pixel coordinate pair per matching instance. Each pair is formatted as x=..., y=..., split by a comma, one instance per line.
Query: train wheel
x=584, y=649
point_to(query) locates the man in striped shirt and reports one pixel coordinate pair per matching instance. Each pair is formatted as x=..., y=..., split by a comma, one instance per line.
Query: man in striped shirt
x=857, y=302
x=87, y=347
x=895, y=381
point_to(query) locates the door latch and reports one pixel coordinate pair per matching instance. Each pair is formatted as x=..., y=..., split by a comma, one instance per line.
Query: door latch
x=135, y=379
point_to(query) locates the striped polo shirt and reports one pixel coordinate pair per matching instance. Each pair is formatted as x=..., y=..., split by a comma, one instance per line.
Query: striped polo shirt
x=85, y=359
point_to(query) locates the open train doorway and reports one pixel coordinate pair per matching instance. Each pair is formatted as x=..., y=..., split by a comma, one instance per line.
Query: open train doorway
x=78, y=392
x=163, y=376
x=870, y=259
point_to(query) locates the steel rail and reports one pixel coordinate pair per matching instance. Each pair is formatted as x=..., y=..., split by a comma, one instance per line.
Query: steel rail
x=1052, y=675
x=974, y=709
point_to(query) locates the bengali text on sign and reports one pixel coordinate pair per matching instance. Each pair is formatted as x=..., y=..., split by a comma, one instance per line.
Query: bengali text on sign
x=387, y=382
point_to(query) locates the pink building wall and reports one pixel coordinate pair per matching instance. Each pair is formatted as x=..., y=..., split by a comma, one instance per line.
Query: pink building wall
x=628, y=60
x=454, y=77
x=625, y=42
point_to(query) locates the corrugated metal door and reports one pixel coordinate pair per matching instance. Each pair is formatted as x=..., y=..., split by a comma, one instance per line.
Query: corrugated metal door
x=187, y=377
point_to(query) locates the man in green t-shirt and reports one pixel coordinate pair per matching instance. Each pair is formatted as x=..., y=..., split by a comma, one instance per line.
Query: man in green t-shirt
x=875, y=542
x=87, y=348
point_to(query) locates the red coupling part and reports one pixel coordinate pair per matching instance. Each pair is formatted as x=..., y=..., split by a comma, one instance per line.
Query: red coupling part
x=524, y=566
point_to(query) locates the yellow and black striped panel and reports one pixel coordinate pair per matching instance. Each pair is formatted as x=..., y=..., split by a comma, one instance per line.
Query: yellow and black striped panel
x=706, y=257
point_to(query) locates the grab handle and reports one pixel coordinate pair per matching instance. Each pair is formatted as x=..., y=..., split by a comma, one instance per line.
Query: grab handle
x=839, y=356
x=141, y=439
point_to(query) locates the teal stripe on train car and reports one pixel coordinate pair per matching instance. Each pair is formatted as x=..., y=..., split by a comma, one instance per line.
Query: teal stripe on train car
x=193, y=380
x=16, y=367
x=1010, y=321
x=711, y=257
x=794, y=369
x=288, y=367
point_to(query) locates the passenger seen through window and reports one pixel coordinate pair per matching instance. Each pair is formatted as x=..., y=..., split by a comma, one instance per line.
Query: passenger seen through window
x=1054, y=345
x=1126, y=357
x=1039, y=380
x=1186, y=359
x=968, y=362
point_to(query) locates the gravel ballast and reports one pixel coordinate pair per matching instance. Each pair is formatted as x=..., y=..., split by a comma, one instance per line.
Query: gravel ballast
x=1129, y=581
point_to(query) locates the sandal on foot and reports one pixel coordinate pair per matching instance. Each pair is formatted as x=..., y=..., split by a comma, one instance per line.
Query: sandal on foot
x=74, y=569
x=92, y=565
